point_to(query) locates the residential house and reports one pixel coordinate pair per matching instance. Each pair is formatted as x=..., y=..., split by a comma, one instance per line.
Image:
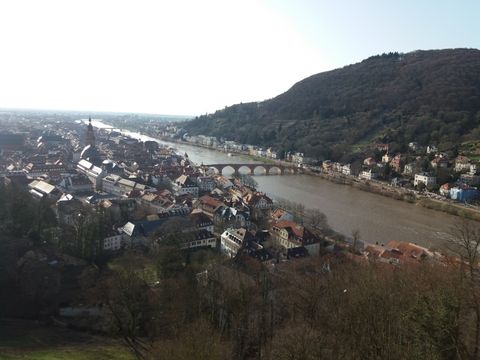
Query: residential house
x=337, y=167
x=36, y=170
x=289, y=234
x=281, y=214
x=237, y=216
x=381, y=147
x=409, y=168
x=232, y=240
x=386, y=158
x=445, y=190
x=462, y=163
x=473, y=169
x=258, y=200
x=185, y=185
x=409, y=250
x=201, y=221
x=369, y=161
x=413, y=146
x=115, y=242
x=208, y=205
x=140, y=232
x=200, y=239
x=154, y=203
x=346, y=169
x=76, y=184
x=206, y=183
x=439, y=162
x=396, y=163
x=271, y=154
x=368, y=175
x=297, y=158
x=118, y=186
x=326, y=165
x=223, y=182
x=426, y=179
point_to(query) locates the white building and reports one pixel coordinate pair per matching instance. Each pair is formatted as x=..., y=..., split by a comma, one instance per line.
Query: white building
x=346, y=170
x=114, y=243
x=232, y=240
x=408, y=168
x=368, y=175
x=41, y=189
x=118, y=186
x=462, y=163
x=94, y=173
x=202, y=238
x=425, y=178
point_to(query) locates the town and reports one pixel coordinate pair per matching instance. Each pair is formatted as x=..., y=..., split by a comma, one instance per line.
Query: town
x=140, y=188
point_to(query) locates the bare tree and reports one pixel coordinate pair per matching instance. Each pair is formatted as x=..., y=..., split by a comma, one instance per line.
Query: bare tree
x=465, y=242
x=355, y=239
x=126, y=297
x=316, y=219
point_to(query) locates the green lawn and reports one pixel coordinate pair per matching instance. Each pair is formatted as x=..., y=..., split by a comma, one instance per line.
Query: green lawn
x=28, y=340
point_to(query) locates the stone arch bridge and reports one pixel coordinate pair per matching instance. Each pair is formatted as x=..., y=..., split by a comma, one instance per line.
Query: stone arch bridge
x=268, y=169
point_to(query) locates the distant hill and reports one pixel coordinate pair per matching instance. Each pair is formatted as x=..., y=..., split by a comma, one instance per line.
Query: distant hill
x=432, y=97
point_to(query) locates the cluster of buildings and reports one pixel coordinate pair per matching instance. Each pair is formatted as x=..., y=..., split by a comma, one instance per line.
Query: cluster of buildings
x=231, y=146
x=419, y=169
x=142, y=187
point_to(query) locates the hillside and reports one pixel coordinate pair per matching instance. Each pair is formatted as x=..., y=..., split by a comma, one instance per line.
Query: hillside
x=432, y=97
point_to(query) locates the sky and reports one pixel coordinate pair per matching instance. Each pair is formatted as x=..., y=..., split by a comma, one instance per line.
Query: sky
x=191, y=57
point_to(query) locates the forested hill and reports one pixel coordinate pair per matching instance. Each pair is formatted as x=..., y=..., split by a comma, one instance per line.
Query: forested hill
x=432, y=97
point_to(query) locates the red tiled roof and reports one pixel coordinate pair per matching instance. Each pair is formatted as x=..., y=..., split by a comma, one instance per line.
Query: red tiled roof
x=210, y=201
x=296, y=229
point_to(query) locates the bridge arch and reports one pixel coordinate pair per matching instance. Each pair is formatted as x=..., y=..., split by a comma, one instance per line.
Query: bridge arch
x=215, y=169
x=275, y=170
x=242, y=168
x=227, y=167
x=260, y=169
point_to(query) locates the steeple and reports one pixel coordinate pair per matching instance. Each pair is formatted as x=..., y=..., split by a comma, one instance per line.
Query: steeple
x=90, y=138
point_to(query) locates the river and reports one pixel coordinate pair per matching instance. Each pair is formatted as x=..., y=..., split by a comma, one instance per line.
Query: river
x=378, y=218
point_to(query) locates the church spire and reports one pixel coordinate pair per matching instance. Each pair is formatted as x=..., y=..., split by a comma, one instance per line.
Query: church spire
x=90, y=138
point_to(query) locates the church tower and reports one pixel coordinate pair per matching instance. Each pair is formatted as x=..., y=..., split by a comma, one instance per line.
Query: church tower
x=90, y=138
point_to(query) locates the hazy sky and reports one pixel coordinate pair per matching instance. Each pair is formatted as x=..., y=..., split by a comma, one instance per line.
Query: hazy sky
x=197, y=56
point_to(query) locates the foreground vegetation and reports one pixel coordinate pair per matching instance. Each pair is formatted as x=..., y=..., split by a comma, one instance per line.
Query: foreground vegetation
x=167, y=303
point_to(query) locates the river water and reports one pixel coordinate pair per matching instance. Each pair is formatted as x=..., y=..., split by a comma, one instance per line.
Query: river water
x=378, y=218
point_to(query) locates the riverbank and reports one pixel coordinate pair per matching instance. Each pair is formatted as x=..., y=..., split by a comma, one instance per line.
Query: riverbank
x=371, y=186
x=450, y=208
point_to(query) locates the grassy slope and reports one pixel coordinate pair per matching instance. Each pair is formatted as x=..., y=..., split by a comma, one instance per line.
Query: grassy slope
x=27, y=340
